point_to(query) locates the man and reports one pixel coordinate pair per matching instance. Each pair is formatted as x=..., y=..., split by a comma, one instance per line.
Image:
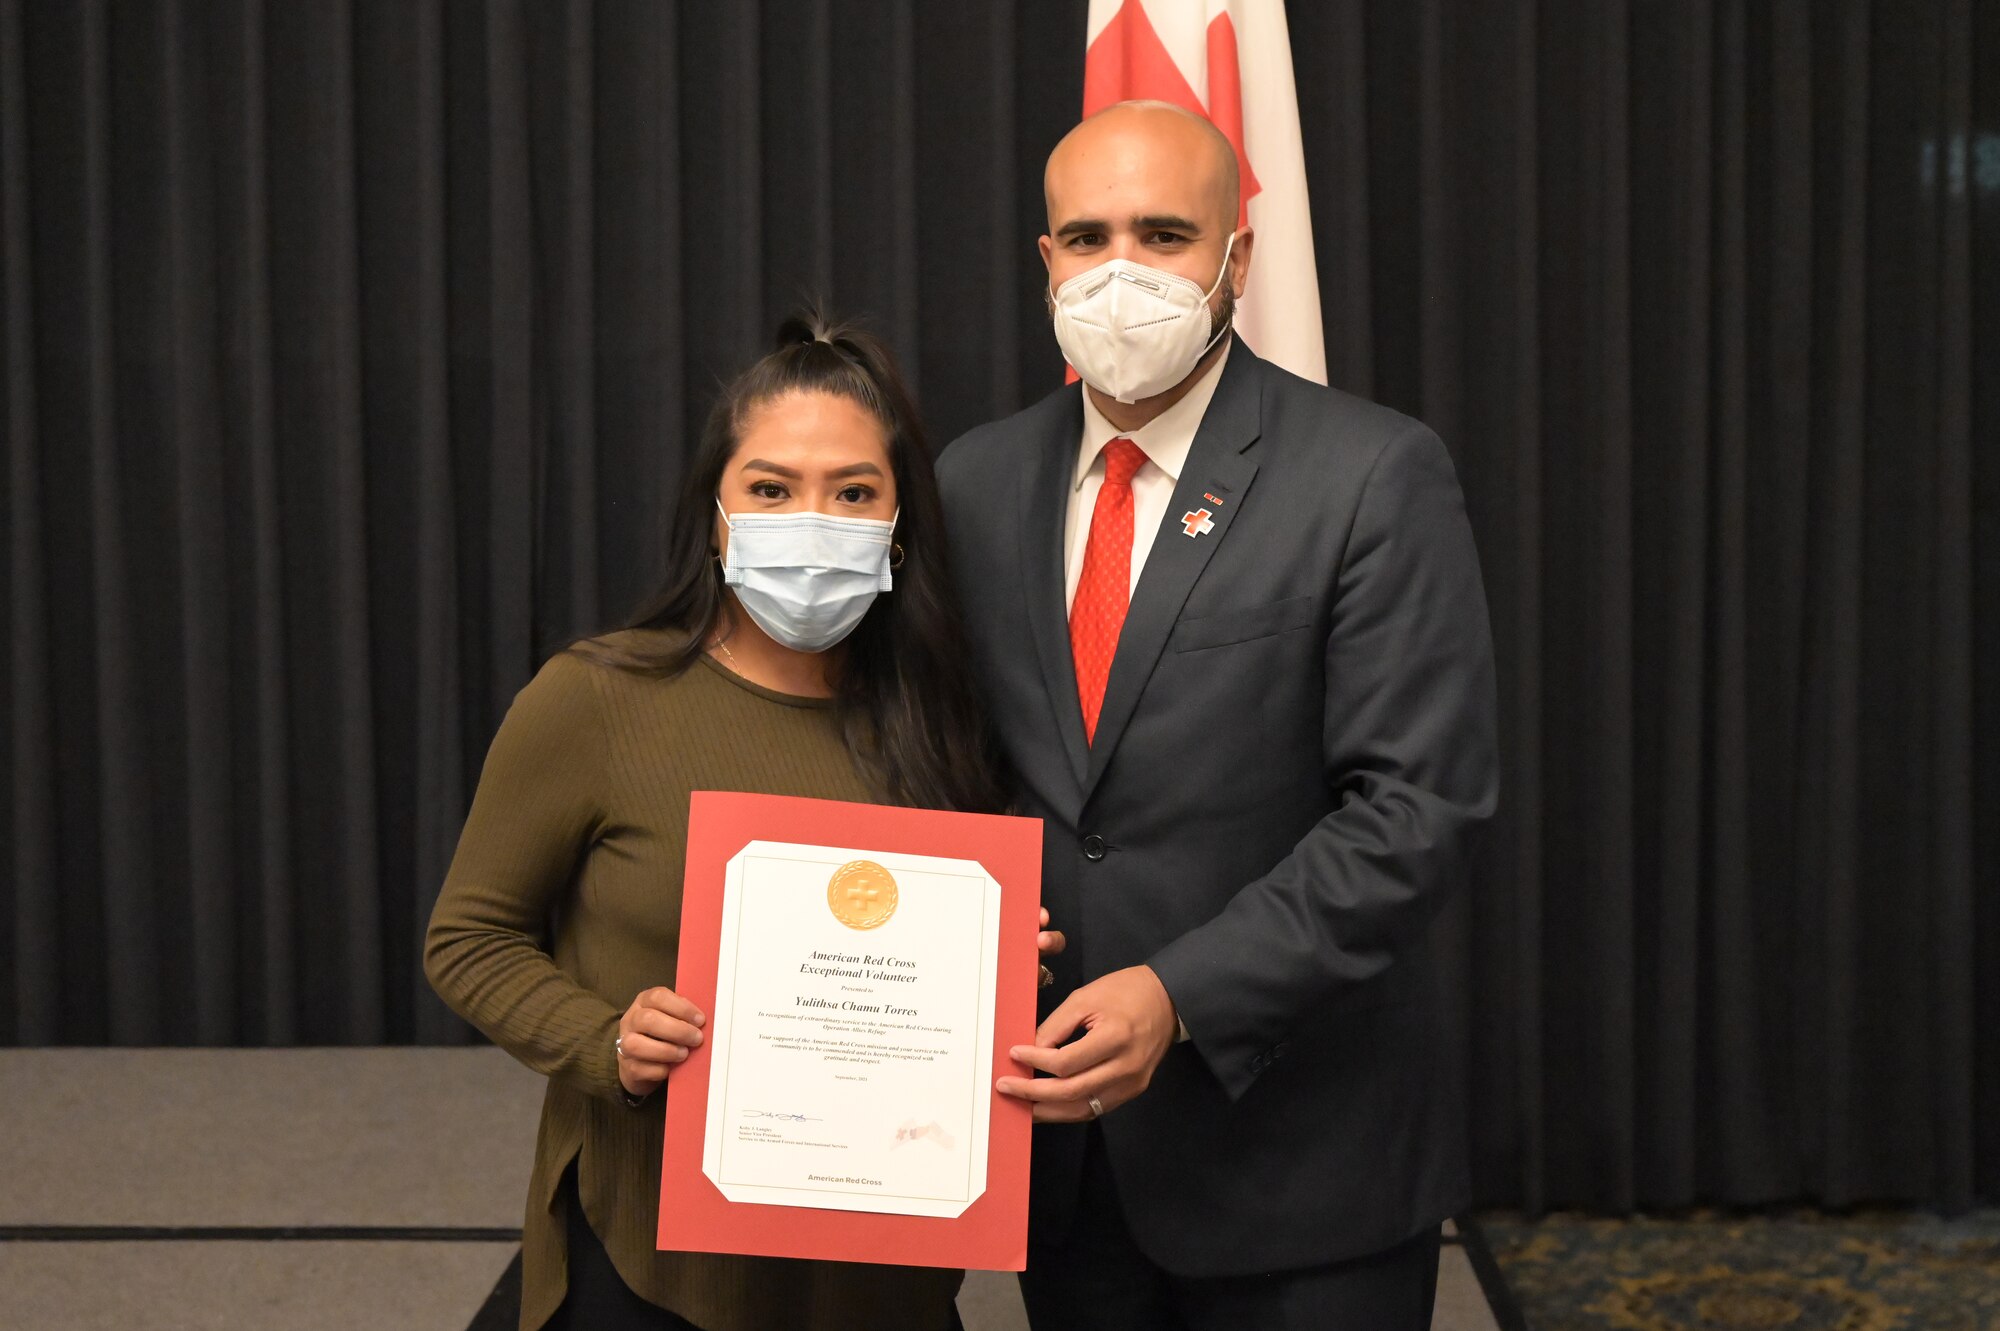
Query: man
x=1231, y=629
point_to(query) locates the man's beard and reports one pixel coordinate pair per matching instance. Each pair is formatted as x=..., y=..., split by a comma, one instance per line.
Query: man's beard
x=1222, y=318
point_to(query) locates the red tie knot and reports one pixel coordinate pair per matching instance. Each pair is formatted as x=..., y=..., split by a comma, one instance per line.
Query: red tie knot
x=1122, y=460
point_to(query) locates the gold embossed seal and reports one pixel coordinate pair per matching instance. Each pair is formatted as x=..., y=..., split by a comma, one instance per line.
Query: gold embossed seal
x=862, y=895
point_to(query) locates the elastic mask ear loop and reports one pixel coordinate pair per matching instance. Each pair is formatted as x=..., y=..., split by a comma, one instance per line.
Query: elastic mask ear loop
x=1227, y=250
x=1223, y=272
x=721, y=562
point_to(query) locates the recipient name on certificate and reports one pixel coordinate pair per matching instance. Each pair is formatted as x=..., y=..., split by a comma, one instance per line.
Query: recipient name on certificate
x=852, y=1030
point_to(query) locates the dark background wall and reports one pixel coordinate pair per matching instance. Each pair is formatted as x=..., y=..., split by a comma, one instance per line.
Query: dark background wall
x=346, y=350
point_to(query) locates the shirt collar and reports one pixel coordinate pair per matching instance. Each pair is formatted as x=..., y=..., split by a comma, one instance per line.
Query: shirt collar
x=1165, y=440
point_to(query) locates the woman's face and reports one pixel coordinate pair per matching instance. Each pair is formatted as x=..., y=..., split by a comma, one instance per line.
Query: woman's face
x=809, y=452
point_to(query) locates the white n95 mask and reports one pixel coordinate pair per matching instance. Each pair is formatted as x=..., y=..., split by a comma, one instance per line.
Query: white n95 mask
x=1130, y=331
x=806, y=578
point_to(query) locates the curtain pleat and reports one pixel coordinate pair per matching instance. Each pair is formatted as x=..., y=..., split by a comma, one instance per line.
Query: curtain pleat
x=502, y=260
x=568, y=467
x=323, y=493
x=641, y=334
x=1829, y=878
x=350, y=354
x=1736, y=1038
x=113, y=761
x=179, y=351
x=1951, y=700
x=34, y=920
x=1000, y=298
x=1335, y=122
x=1592, y=911
x=1984, y=493
x=876, y=249
x=1672, y=237
x=441, y=783
x=723, y=190
x=795, y=146
x=1517, y=968
x=262, y=885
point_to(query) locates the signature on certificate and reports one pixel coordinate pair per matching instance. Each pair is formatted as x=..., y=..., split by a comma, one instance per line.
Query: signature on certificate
x=913, y=1131
x=789, y=1118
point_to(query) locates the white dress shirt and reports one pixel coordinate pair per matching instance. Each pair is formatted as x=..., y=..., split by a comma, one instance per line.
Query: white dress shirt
x=1165, y=440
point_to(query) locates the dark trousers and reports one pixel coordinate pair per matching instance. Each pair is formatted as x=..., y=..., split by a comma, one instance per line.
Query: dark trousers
x=598, y=1297
x=1098, y=1280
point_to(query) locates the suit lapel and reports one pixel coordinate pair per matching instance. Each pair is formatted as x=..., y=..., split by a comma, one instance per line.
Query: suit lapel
x=1045, y=494
x=1215, y=467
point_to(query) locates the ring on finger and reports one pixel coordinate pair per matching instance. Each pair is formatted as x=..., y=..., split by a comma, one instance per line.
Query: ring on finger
x=1096, y=1107
x=618, y=1046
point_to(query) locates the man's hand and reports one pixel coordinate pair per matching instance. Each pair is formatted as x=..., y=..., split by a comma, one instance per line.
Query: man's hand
x=1048, y=943
x=1128, y=1024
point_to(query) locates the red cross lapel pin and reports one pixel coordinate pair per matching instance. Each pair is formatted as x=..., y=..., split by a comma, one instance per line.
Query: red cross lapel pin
x=1200, y=522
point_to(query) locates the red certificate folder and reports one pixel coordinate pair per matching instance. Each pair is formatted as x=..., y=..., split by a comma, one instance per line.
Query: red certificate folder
x=991, y=1234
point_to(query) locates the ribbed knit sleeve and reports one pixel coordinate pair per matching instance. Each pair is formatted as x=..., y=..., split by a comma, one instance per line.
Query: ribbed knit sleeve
x=538, y=808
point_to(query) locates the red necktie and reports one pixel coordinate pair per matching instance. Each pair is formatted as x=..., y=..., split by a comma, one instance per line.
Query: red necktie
x=1104, y=588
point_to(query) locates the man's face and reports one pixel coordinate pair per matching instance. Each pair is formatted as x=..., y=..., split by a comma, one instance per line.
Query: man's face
x=1143, y=186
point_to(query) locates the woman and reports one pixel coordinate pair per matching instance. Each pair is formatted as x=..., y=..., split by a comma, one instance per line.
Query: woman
x=804, y=642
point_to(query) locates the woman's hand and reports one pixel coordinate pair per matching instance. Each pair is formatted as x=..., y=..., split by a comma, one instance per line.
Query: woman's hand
x=1048, y=942
x=655, y=1033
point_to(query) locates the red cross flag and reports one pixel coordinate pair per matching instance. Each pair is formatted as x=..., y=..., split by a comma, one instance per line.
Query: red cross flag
x=1229, y=60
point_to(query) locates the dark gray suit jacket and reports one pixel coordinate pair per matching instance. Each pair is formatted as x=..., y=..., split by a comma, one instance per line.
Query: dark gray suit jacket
x=1296, y=746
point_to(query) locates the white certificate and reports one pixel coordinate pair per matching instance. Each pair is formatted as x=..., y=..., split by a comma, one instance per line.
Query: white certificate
x=852, y=1030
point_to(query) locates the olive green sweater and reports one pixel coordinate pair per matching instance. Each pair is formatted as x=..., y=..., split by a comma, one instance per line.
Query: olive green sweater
x=563, y=902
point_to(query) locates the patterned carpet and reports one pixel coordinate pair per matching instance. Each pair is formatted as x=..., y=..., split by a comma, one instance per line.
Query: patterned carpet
x=1799, y=1271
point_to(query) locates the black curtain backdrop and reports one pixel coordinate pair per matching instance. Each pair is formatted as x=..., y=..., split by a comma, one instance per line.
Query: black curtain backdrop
x=347, y=349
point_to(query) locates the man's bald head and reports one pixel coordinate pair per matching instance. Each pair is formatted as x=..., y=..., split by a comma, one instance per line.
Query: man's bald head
x=1153, y=137
x=1150, y=185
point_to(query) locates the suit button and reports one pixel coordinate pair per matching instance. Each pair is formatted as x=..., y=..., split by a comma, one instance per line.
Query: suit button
x=1093, y=847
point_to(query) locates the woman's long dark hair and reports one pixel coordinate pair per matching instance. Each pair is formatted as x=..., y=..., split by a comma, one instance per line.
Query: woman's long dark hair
x=906, y=696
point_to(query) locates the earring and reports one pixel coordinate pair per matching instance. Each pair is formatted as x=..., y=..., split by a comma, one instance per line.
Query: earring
x=895, y=555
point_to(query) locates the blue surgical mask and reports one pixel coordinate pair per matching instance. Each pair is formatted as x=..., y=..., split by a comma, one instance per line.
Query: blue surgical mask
x=806, y=578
